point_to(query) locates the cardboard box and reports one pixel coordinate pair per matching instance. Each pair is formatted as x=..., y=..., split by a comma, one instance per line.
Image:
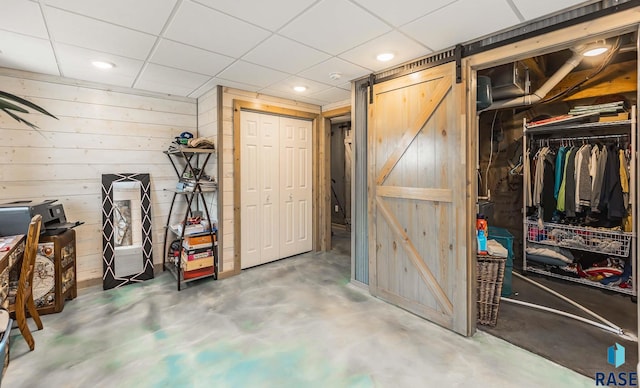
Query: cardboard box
x=190, y=265
x=191, y=254
x=206, y=271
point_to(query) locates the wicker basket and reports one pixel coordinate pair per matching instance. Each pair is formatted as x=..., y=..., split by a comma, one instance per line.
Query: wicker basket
x=490, y=275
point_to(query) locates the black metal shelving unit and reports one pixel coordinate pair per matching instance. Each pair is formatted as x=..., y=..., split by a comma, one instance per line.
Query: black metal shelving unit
x=192, y=161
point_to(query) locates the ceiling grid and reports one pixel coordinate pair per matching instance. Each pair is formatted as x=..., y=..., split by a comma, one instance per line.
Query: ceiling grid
x=186, y=47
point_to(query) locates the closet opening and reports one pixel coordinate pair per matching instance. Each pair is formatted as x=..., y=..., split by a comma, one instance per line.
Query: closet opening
x=336, y=150
x=557, y=186
x=341, y=151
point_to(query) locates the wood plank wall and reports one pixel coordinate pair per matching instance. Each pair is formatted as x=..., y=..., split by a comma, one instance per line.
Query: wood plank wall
x=208, y=127
x=100, y=130
x=226, y=154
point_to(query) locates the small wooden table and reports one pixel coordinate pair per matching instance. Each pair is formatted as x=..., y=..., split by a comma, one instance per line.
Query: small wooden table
x=11, y=251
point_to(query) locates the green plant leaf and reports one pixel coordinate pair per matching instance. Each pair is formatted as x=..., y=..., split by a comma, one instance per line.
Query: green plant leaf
x=11, y=97
x=4, y=105
x=19, y=119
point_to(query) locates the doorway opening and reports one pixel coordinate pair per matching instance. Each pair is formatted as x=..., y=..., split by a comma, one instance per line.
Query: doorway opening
x=341, y=173
x=336, y=155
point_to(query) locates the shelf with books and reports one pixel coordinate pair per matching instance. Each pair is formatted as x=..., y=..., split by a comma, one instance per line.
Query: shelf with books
x=191, y=244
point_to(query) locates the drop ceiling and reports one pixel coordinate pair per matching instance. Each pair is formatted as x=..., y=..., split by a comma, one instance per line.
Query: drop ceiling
x=186, y=47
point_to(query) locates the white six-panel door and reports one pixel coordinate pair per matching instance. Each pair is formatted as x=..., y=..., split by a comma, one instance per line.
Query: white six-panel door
x=276, y=188
x=295, y=184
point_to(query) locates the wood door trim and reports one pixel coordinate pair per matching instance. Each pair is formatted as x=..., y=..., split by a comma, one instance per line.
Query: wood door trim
x=435, y=195
x=323, y=208
x=427, y=276
x=441, y=90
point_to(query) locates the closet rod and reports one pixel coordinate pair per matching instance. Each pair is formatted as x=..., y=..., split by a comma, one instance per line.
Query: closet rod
x=593, y=137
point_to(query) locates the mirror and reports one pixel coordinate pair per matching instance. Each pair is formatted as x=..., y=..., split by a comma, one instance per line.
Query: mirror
x=126, y=229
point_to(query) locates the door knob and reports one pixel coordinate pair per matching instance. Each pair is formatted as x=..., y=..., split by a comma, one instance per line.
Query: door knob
x=290, y=197
x=268, y=200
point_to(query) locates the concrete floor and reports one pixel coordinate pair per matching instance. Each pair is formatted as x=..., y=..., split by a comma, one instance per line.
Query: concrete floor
x=561, y=339
x=293, y=323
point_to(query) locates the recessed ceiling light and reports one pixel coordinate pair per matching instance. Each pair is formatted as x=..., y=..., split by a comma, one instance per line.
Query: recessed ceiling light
x=300, y=89
x=384, y=57
x=103, y=65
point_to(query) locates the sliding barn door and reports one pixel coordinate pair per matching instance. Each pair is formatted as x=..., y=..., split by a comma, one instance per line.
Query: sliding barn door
x=417, y=196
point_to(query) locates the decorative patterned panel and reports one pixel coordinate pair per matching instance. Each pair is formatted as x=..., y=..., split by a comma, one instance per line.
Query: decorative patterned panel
x=109, y=278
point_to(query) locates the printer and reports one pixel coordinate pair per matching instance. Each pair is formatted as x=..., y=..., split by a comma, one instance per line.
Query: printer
x=15, y=217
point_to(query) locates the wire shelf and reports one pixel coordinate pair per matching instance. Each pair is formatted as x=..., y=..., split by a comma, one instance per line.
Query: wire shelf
x=586, y=282
x=604, y=241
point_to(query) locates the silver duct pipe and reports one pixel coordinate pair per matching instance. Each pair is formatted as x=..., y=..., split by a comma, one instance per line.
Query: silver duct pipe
x=539, y=94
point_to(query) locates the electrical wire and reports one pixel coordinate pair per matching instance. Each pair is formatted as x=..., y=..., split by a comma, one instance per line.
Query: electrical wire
x=486, y=175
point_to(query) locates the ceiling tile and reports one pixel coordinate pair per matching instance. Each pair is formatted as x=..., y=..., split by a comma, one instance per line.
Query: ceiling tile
x=288, y=84
x=23, y=17
x=334, y=26
x=533, y=9
x=293, y=96
x=238, y=85
x=347, y=71
x=39, y=60
x=285, y=55
x=75, y=62
x=171, y=81
x=394, y=42
x=199, y=26
x=133, y=14
x=248, y=73
x=460, y=22
x=332, y=95
x=399, y=12
x=345, y=86
x=189, y=58
x=270, y=14
x=84, y=32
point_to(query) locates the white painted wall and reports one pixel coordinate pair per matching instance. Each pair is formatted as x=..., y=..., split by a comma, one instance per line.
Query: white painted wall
x=207, y=103
x=100, y=130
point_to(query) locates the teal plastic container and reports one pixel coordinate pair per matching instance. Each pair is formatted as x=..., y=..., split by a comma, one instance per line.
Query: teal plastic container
x=505, y=239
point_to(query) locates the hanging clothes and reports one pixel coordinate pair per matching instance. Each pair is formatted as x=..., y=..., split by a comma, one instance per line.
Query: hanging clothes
x=583, y=179
x=559, y=169
x=624, y=178
x=563, y=185
x=548, y=200
x=611, y=198
x=570, y=185
x=527, y=179
x=593, y=168
x=597, y=185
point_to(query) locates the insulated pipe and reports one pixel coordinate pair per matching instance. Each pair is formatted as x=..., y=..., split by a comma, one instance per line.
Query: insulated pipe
x=539, y=94
x=571, y=302
x=568, y=315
